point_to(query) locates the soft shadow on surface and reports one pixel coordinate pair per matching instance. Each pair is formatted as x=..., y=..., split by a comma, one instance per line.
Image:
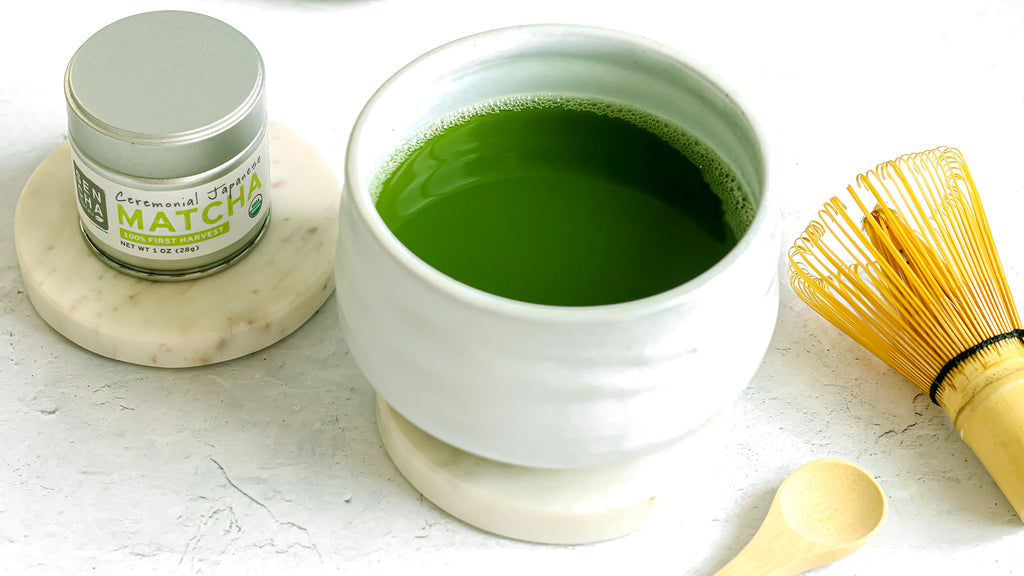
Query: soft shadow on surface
x=741, y=529
x=274, y=456
x=824, y=389
x=282, y=442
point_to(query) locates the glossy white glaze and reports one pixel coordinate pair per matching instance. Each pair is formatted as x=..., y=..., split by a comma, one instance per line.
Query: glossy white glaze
x=548, y=386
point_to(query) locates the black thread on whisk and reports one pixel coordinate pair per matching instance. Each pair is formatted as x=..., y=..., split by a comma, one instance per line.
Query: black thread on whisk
x=1018, y=333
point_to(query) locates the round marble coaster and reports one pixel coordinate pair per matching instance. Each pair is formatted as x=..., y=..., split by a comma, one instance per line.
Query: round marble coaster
x=254, y=303
x=548, y=506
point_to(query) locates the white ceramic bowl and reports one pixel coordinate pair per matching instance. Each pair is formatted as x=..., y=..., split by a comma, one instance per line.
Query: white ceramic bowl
x=549, y=386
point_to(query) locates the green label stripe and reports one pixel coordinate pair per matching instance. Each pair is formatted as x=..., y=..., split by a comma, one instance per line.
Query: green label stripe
x=178, y=240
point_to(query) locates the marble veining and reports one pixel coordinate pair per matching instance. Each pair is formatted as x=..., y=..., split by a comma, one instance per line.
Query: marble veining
x=254, y=303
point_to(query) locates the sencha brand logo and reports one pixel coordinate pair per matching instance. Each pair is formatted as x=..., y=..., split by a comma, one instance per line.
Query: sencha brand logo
x=91, y=198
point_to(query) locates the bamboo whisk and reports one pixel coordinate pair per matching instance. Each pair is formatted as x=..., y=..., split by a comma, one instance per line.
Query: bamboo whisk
x=917, y=281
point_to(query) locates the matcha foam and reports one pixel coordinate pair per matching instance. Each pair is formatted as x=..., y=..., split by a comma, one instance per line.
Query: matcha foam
x=736, y=199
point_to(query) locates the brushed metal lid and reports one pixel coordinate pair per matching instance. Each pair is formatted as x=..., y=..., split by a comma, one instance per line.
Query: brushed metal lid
x=165, y=95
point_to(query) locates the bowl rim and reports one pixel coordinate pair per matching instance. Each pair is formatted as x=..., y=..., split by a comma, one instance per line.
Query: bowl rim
x=528, y=310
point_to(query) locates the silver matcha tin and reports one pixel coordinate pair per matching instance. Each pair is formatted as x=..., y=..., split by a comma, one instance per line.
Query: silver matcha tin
x=167, y=121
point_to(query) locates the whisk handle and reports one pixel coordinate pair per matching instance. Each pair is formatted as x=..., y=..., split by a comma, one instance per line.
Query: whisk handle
x=992, y=424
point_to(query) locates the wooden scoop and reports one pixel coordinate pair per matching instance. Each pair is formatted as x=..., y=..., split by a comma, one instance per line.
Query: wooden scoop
x=823, y=511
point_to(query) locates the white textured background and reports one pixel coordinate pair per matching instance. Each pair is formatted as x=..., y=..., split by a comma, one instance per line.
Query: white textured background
x=272, y=464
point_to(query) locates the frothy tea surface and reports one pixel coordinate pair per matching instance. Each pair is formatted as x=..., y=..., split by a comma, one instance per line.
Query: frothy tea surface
x=562, y=201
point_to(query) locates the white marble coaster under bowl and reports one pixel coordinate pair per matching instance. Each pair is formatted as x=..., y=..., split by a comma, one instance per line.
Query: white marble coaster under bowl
x=248, y=306
x=549, y=506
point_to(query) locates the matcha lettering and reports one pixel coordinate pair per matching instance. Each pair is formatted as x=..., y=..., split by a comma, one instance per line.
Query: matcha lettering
x=198, y=220
x=181, y=220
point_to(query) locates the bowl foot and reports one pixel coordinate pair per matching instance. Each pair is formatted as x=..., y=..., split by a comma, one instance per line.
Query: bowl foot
x=550, y=506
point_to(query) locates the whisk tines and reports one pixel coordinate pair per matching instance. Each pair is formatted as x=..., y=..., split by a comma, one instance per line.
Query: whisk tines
x=912, y=274
x=915, y=279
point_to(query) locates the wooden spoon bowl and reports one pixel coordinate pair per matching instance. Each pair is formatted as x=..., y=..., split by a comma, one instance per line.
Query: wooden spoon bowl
x=822, y=512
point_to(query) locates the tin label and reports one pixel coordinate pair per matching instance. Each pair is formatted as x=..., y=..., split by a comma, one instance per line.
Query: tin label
x=174, y=224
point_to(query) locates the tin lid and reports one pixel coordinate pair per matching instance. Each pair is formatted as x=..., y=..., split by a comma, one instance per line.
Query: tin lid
x=165, y=95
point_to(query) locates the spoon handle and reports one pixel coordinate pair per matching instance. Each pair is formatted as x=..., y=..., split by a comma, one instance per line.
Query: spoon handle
x=822, y=512
x=770, y=553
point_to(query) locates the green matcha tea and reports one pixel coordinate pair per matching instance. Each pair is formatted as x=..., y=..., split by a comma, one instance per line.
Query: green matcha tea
x=562, y=201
